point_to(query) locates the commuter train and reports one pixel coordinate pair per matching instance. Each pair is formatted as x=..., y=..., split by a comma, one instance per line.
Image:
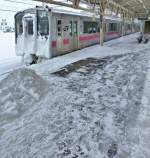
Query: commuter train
x=43, y=32
x=146, y=28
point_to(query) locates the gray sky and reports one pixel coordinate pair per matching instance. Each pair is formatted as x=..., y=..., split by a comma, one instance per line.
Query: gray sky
x=12, y=6
x=6, y=5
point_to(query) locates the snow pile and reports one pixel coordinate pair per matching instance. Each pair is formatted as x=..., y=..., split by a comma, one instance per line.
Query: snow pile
x=19, y=92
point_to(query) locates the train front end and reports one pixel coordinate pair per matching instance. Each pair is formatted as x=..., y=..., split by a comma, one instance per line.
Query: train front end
x=32, y=34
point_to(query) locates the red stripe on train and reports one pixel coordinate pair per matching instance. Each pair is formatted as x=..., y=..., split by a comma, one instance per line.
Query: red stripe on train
x=66, y=41
x=54, y=43
x=88, y=37
x=112, y=34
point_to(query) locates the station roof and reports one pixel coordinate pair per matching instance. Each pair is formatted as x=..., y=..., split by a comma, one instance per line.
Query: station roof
x=140, y=7
x=135, y=8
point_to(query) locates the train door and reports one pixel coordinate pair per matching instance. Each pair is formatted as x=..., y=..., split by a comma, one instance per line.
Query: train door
x=71, y=34
x=59, y=35
x=28, y=34
x=75, y=34
x=43, y=33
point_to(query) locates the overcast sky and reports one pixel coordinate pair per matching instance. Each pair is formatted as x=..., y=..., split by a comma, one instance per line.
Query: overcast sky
x=12, y=6
x=16, y=5
x=8, y=8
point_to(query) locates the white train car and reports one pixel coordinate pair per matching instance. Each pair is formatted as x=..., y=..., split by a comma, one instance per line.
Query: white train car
x=42, y=33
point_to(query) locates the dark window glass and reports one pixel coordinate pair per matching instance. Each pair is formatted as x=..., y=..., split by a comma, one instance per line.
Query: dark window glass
x=90, y=27
x=94, y=27
x=112, y=26
x=70, y=28
x=42, y=22
x=59, y=22
x=30, y=27
x=19, y=25
x=75, y=27
x=129, y=27
x=59, y=27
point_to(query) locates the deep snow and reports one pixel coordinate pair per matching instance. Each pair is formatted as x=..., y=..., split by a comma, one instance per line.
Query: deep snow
x=90, y=108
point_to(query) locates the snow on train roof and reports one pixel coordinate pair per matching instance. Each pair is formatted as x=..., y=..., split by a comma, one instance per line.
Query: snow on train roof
x=78, y=12
x=71, y=11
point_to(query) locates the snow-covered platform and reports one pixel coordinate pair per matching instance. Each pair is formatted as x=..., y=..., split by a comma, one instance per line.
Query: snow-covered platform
x=86, y=104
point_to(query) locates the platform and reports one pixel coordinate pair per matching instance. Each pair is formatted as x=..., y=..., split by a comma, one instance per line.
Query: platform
x=89, y=104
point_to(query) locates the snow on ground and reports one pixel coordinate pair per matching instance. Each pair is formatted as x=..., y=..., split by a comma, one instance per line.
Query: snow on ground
x=8, y=58
x=142, y=128
x=7, y=48
x=86, y=109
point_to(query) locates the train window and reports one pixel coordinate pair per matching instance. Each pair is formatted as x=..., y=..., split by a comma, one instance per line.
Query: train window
x=94, y=27
x=129, y=27
x=87, y=27
x=59, y=27
x=70, y=28
x=19, y=28
x=90, y=27
x=112, y=26
x=59, y=22
x=30, y=27
x=42, y=22
x=19, y=25
x=75, y=27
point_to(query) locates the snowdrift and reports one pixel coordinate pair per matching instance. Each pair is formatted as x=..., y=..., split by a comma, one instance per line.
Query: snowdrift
x=19, y=91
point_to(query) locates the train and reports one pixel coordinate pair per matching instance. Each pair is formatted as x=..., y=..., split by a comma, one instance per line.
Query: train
x=146, y=28
x=44, y=32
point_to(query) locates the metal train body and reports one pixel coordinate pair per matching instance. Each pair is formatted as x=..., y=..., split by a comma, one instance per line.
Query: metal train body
x=146, y=29
x=45, y=33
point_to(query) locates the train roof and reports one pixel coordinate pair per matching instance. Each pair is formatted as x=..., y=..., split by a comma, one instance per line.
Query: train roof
x=73, y=12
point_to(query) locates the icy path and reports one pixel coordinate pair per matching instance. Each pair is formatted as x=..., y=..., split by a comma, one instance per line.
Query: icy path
x=87, y=112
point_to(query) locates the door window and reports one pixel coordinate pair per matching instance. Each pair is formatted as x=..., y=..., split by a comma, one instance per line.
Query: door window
x=59, y=27
x=75, y=28
x=70, y=28
x=30, y=27
x=19, y=24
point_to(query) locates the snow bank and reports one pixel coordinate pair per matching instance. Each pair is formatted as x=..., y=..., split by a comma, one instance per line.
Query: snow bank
x=19, y=92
